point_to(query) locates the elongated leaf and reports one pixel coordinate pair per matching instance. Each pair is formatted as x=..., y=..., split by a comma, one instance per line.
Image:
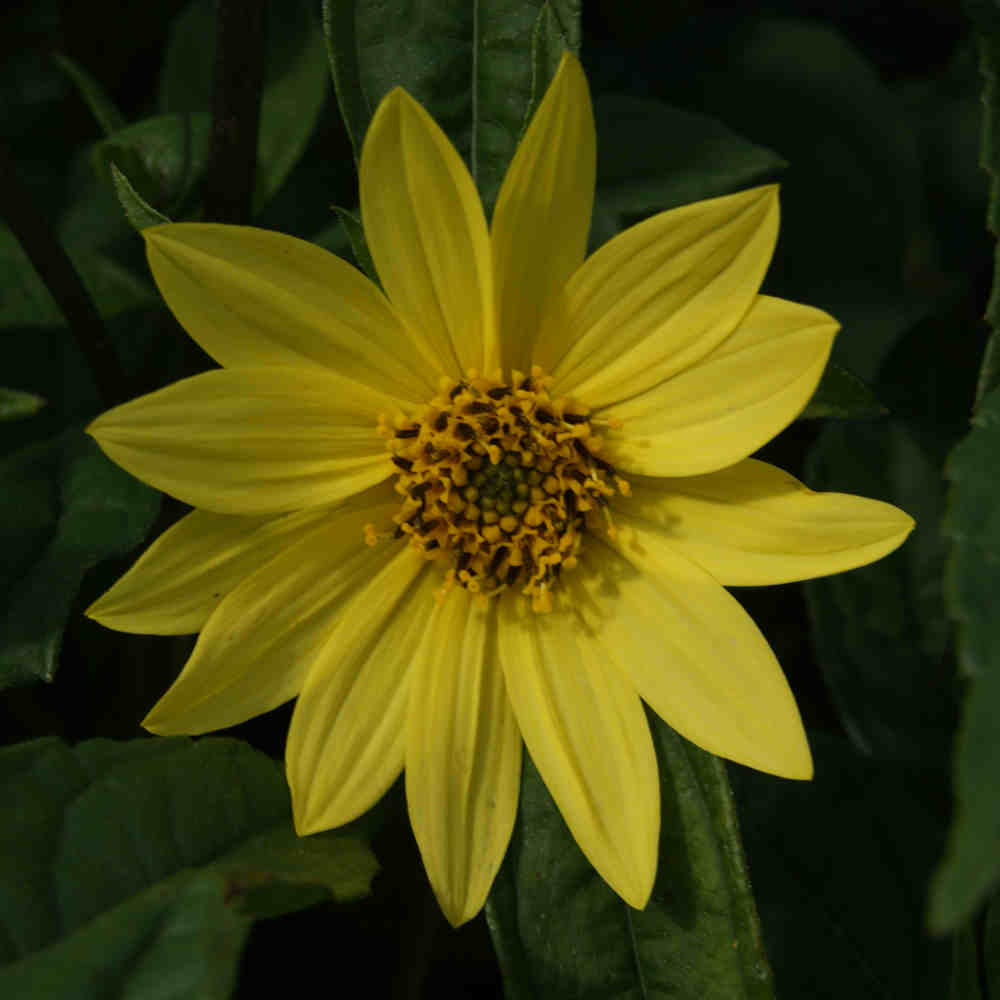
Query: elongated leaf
x=295, y=82
x=561, y=931
x=839, y=867
x=972, y=863
x=163, y=157
x=65, y=507
x=987, y=21
x=844, y=396
x=880, y=632
x=142, y=861
x=101, y=106
x=472, y=65
x=359, y=246
x=138, y=211
x=16, y=405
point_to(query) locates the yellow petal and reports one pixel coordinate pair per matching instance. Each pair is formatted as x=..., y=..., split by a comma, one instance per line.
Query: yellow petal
x=254, y=298
x=729, y=403
x=252, y=440
x=693, y=654
x=659, y=296
x=463, y=755
x=542, y=216
x=753, y=524
x=347, y=740
x=427, y=234
x=181, y=578
x=585, y=729
x=256, y=648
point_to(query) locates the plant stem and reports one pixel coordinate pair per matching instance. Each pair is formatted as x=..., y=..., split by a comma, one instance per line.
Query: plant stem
x=32, y=230
x=240, y=47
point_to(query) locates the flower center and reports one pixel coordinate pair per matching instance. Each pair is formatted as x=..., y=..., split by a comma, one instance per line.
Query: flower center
x=502, y=481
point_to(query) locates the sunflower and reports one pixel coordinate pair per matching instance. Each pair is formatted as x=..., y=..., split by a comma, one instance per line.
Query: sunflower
x=495, y=501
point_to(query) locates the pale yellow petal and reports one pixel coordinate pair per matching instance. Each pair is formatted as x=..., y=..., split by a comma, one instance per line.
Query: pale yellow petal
x=754, y=524
x=463, y=755
x=181, y=578
x=253, y=298
x=252, y=440
x=659, y=296
x=347, y=740
x=732, y=401
x=257, y=647
x=427, y=235
x=693, y=654
x=542, y=216
x=586, y=731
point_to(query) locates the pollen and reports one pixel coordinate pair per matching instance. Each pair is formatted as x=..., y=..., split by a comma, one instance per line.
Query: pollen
x=500, y=483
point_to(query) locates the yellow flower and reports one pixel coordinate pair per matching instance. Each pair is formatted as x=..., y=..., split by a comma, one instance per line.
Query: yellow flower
x=499, y=502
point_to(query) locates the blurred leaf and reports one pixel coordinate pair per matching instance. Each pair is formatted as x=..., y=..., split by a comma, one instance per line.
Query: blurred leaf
x=965, y=983
x=16, y=405
x=991, y=948
x=136, y=863
x=333, y=238
x=843, y=395
x=972, y=862
x=561, y=931
x=653, y=157
x=295, y=82
x=163, y=157
x=839, y=865
x=83, y=508
x=880, y=632
x=177, y=940
x=138, y=212
x=108, y=117
x=359, y=245
x=852, y=201
x=945, y=113
x=473, y=66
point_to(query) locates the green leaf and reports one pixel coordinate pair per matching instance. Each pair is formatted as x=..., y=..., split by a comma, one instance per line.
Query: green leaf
x=295, y=82
x=561, y=931
x=880, y=632
x=16, y=405
x=163, y=157
x=971, y=865
x=477, y=68
x=987, y=22
x=653, y=157
x=177, y=940
x=359, y=246
x=991, y=948
x=101, y=106
x=138, y=211
x=137, y=862
x=26, y=301
x=852, y=195
x=65, y=508
x=964, y=966
x=844, y=396
x=840, y=864
x=550, y=38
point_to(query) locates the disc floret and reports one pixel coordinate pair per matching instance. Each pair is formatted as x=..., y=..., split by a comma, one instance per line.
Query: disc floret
x=502, y=481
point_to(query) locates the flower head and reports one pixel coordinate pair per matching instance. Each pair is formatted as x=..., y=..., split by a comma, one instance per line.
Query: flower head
x=498, y=503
